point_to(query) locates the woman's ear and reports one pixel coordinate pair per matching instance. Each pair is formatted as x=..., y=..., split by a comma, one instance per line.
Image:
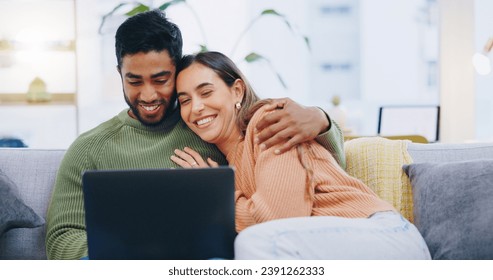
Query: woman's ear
x=239, y=89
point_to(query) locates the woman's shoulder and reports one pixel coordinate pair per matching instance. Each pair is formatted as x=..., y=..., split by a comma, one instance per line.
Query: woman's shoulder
x=254, y=120
x=257, y=116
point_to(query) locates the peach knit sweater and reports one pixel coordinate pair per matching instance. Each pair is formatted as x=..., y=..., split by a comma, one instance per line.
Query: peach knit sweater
x=306, y=181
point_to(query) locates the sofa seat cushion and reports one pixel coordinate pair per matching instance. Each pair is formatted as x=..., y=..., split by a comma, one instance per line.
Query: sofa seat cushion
x=453, y=208
x=13, y=212
x=378, y=163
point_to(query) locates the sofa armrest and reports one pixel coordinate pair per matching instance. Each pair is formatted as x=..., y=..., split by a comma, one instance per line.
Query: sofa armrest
x=33, y=171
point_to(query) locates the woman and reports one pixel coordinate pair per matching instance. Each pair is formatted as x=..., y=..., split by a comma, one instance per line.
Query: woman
x=299, y=204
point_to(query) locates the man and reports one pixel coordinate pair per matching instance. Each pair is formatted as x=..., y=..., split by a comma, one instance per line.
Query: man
x=147, y=49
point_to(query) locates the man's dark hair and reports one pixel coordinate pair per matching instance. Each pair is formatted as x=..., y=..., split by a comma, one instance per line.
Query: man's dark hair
x=145, y=32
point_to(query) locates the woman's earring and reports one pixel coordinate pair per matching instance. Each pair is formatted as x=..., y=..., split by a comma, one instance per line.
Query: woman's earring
x=238, y=106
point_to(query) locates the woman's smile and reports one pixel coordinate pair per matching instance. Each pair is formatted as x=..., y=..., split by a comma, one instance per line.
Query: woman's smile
x=204, y=122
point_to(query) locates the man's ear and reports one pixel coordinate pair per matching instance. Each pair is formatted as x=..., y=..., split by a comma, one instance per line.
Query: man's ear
x=239, y=89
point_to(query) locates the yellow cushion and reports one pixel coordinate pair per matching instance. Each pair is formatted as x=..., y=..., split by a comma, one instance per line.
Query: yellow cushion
x=378, y=163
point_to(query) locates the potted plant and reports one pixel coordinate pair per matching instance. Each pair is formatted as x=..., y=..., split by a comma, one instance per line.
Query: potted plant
x=137, y=7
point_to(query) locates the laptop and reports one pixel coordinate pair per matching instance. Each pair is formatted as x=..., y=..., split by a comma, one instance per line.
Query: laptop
x=421, y=120
x=160, y=214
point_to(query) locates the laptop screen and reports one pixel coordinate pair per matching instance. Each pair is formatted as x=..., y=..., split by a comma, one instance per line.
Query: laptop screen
x=408, y=120
x=160, y=214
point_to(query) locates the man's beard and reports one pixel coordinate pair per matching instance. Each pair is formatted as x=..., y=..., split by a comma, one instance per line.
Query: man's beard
x=135, y=111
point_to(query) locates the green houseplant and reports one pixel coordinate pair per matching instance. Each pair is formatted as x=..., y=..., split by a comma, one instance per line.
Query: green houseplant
x=138, y=7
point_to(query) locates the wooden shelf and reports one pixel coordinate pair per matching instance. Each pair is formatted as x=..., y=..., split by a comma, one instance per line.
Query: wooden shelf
x=9, y=47
x=14, y=99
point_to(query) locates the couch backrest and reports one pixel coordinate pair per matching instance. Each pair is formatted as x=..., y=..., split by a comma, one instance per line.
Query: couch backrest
x=442, y=152
x=34, y=172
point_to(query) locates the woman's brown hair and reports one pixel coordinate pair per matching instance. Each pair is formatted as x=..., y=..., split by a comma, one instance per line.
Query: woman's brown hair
x=226, y=69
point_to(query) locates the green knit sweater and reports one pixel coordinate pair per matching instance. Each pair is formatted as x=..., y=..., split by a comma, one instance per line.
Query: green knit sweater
x=123, y=143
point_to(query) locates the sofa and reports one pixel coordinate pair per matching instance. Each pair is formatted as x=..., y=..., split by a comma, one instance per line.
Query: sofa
x=377, y=161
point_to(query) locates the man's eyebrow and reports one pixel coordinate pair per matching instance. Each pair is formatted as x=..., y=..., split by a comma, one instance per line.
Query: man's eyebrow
x=153, y=76
x=160, y=74
x=133, y=76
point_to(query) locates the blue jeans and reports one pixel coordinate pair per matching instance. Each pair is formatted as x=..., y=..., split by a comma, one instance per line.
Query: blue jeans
x=382, y=236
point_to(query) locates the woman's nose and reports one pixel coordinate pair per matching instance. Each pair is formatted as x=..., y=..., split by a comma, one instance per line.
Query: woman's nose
x=198, y=107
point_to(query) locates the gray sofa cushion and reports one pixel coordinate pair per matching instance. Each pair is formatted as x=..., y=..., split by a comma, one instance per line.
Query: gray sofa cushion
x=13, y=212
x=453, y=208
x=33, y=171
